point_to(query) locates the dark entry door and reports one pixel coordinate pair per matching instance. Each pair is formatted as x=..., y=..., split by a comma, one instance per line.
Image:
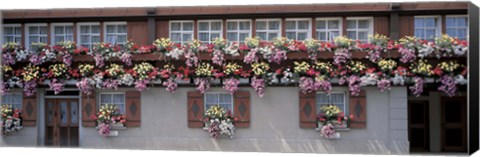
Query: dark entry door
x=61, y=122
x=454, y=124
x=418, y=132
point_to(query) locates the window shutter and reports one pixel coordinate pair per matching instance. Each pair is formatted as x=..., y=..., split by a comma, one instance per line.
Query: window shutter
x=195, y=105
x=29, y=110
x=358, y=107
x=241, y=107
x=89, y=108
x=308, y=110
x=133, y=108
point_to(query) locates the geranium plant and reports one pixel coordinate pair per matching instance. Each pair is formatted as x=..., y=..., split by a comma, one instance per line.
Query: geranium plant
x=219, y=121
x=331, y=117
x=106, y=116
x=11, y=119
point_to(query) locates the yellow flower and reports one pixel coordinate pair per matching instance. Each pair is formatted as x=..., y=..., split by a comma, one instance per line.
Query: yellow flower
x=260, y=68
x=7, y=68
x=230, y=68
x=449, y=66
x=301, y=67
x=387, y=64
x=356, y=66
x=252, y=42
x=204, y=70
x=422, y=67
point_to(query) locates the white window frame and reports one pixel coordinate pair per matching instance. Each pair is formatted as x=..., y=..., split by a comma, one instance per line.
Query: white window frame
x=79, y=34
x=279, y=31
x=467, y=27
x=9, y=102
x=370, y=29
x=238, y=31
x=309, y=31
x=124, y=108
x=328, y=30
x=105, y=24
x=52, y=30
x=27, y=32
x=181, y=31
x=209, y=31
x=205, y=100
x=15, y=36
x=345, y=100
x=438, y=29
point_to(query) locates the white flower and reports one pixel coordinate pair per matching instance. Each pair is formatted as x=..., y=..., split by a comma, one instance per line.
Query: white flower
x=398, y=80
x=460, y=50
x=425, y=50
x=127, y=79
x=369, y=79
x=459, y=79
x=21, y=55
x=175, y=53
x=232, y=50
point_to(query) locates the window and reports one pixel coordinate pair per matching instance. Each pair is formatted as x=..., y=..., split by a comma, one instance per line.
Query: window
x=238, y=30
x=12, y=33
x=88, y=34
x=36, y=33
x=62, y=32
x=117, y=99
x=116, y=32
x=225, y=100
x=328, y=29
x=268, y=29
x=14, y=99
x=181, y=31
x=427, y=27
x=335, y=98
x=297, y=29
x=359, y=28
x=457, y=26
x=209, y=30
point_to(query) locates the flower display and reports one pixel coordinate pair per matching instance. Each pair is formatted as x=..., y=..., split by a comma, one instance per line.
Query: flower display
x=259, y=85
x=31, y=73
x=108, y=114
x=387, y=65
x=260, y=69
x=104, y=51
x=163, y=44
x=421, y=68
x=252, y=42
x=301, y=68
x=330, y=116
x=144, y=71
x=11, y=119
x=86, y=70
x=356, y=67
x=204, y=70
x=343, y=42
x=114, y=70
x=56, y=86
x=219, y=122
x=417, y=88
x=58, y=71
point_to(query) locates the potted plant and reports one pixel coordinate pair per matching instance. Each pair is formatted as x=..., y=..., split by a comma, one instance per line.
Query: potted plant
x=11, y=119
x=332, y=119
x=219, y=121
x=109, y=118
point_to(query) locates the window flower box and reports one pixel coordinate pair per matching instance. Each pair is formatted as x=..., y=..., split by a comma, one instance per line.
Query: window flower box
x=219, y=122
x=11, y=119
x=109, y=120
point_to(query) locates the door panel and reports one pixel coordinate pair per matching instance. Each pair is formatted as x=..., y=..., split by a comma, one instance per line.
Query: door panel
x=62, y=122
x=454, y=124
x=418, y=126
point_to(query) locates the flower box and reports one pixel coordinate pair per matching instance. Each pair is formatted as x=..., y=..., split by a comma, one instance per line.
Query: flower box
x=182, y=81
x=216, y=81
x=335, y=136
x=116, y=126
x=244, y=80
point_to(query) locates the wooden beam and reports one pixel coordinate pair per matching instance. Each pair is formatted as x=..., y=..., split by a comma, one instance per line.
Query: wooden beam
x=151, y=29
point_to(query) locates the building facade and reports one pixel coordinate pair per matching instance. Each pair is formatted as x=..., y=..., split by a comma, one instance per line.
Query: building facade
x=283, y=120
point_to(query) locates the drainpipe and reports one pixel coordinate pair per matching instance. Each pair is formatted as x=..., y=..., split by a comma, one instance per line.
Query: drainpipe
x=1, y=51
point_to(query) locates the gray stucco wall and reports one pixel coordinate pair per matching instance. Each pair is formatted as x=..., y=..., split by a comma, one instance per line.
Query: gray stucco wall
x=274, y=126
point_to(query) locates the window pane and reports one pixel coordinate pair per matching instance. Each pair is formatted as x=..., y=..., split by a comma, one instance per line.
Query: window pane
x=419, y=22
x=262, y=35
x=175, y=26
x=58, y=30
x=321, y=35
x=33, y=39
x=43, y=30
x=84, y=29
x=334, y=34
x=63, y=112
x=451, y=32
x=95, y=39
x=69, y=38
x=118, y=98
x=84, y=39
x=225, y=98
x=33, y=30
x=419, y=33
x=303, y=25
x=261, y=25
x=105, y=98
x=8, y=39
x=243, y=36
x=351, y=24
x=272, y=36
x=95, y=29
x=461, y=21
x=110, y=29
x=291, y=35
x=68, y=30
x=321, y=24
x=351, y=34
x=362, y=35
x=232, y=36
x=245, y=25
x=273, y=25
x=302, y=36
x=110, y=39
x=333, y=24
x=122, y=29
x=363, y=24
x=58, y=39
x=18, y=31
x=203, y=26
x=462, y=33
x=216, y=26
x=232, y=26
x=430, y=33
x=187, y=26
x=74, y=112
x=212, y=98
x=322, y=98
x=203, y=36
x=430, y=22
x=187, y=37
x=290, y=25
x=214, y=35
x=176, y=36
x=8, y=30
x=450, y=22
x=43, y=39
x=337, y=98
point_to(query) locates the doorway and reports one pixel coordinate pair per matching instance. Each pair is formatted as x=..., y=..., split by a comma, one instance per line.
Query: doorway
x=62, y=129
x=418, y=126
x=454, y=124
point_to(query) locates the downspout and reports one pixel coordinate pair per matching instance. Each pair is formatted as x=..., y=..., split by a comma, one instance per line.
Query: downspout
x=1, y=51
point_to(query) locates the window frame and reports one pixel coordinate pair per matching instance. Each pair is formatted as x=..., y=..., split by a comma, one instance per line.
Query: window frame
x=308, y=31
x=218, y=93
x=27, y=33
x=345, y=100
x=79, y=34
x=115, y=23
x=15, y=36
x=52, y=30
x=370, y=29
x=10, y=93
x=267, y=31
x=238, y=31
x=181, y=31
x=438, y=28
x=467, y=34
x=328, y=30
x=209, y=31
x=112, y=93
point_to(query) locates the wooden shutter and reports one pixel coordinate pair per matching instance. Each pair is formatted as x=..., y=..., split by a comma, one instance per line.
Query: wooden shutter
x=89, y=108
x=358, y=107
x=308, y=110
x=195, y=109
x=241, y=108
x=133, y=108
x=29, y=108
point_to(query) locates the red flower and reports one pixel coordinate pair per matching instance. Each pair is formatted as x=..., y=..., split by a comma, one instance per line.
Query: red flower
x=322, y=119
x=437, y=71
x=351, y=116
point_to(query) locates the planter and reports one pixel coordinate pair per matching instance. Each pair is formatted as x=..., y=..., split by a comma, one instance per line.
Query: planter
x=297, y=55
x=70, y=82
x=117, y=126
x=244, y=80
x=335, y=136
x=325, y=55
x=217, y=81
x=359, y=54
x=207, y=126
x=182, y=81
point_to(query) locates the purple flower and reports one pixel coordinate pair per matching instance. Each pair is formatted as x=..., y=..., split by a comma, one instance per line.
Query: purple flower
x=341, y=56
x=84, y=86
x=217, y=57
x=407, y=55
x=327, y=131
x=56, y=86
x=141, y=85
x=203, y=84
x=383, y=84
x=126, y=58
x=99, y=60
x=30, y=87
x=259, y=86
x=417, y=89
x=35, y=59
x=67, y=59
x=354, y=84
x=251, y=56
x=325, y=86
x=8, y=59
x=104, y=129
x=374, y=55
x=308, y=85
x=278, y=56
x=448, y=85
x=111, y=84
x=231, y=85
x=191, y=59
x=171, y=85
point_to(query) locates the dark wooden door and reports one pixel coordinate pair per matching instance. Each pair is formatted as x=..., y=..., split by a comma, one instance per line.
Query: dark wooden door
x=418, y=132
x=61, y=122
x=454, y=124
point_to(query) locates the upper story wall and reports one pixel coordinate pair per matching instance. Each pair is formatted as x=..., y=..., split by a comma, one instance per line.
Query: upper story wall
x=146, y=24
